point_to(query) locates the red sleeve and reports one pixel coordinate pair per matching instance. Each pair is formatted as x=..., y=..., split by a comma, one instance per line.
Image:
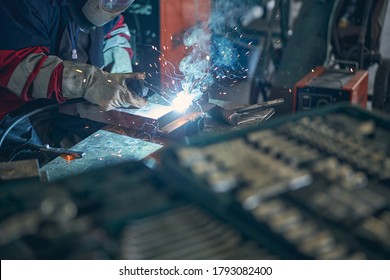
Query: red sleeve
x=11, y=59
x=122, y=34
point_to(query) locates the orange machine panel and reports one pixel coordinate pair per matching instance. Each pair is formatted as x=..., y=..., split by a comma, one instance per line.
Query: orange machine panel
x=324, y=86
x=176, y=17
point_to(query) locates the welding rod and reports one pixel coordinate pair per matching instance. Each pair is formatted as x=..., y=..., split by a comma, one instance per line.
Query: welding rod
x=260, y=106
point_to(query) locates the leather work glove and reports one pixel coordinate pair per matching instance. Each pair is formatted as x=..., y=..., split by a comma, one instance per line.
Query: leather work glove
x=108, y=90
x=138, y=86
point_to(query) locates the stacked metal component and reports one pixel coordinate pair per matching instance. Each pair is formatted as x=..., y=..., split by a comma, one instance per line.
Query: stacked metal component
x=318, y=184
x=123, y=212
x=172, y=235
x=314, y=186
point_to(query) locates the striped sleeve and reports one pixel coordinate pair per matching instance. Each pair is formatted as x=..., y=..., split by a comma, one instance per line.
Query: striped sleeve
x=30, y=73
x=118, y=36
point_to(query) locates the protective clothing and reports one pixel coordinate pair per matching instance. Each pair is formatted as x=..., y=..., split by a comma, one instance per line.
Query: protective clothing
x=41, y=35
x=38, y=40
x=91, y=13
x=117, y=51
x=108, y=90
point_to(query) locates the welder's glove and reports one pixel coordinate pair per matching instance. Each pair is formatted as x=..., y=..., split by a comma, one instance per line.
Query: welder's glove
x=108, y=90
x=138, y=86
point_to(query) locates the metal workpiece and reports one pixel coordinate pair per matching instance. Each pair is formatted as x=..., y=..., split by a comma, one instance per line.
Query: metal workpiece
x=198, y=240
x=108, y=149
x=251, y=175
x=222, y=182
x=268, y=208
x=262, y=173
x=300, y=232
x=15, y=227
x=251, y=197
x=341, y=206
x=247, y=251
x=320, y=243
x=171, y=235
x=19, y=170
x=54, y=207
x=260, y=135
x=205, y=168
x=189, y=156
x=377, y=230
x=176, y=232
x=166, y=219
x=340, y=173
x=358, y=208
x=303, y=232
x=338, y=252
x=372, y=197
x=346, y=145
x=385, y=217
x=211, y=242
x=318, y=182
x=154, y=119
x=286, y=221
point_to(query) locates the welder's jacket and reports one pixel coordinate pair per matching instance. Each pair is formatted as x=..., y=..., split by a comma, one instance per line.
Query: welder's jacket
x=35, y=38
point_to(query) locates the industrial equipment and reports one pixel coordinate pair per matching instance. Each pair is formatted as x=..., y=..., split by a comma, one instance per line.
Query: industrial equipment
x=326, y=32
x=315, y=183
x=323, y=87
x=309, y=186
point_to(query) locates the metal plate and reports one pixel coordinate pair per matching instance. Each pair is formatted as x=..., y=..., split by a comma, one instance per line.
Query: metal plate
x=102, y=149
x=147, y=119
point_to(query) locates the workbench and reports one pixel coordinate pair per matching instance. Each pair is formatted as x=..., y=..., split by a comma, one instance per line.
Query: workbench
x=114, y=144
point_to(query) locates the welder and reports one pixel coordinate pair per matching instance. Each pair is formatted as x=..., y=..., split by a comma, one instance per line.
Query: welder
x=52, y=51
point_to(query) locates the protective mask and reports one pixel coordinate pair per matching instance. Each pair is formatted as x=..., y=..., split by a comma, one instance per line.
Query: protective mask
x=90, y=13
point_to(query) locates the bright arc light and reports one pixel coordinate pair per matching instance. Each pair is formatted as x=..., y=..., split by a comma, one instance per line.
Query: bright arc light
x=182, y=101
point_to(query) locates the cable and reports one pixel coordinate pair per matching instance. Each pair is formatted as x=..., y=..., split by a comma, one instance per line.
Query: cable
x=331, y=24
x=29, y=114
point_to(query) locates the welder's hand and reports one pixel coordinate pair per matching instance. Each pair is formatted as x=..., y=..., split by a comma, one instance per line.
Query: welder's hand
x=138, y=86
x=108, y=90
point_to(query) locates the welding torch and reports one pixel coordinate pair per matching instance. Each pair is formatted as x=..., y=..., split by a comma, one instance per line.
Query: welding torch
x=233, y=117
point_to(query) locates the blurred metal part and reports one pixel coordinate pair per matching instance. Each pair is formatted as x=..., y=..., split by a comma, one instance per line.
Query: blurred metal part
x=19, y=169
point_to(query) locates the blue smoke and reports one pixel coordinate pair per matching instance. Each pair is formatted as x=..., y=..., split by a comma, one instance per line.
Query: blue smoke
x=213, y=55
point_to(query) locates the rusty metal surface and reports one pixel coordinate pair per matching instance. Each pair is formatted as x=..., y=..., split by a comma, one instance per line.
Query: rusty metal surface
x=102, y=149
x=19, y=169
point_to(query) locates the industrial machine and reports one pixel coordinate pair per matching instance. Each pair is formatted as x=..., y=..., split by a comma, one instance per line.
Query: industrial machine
x=326, y=33
x=323, y=87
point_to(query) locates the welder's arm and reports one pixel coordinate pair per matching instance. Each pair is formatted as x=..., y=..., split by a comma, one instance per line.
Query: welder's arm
x=117, y=50
x=31, y=74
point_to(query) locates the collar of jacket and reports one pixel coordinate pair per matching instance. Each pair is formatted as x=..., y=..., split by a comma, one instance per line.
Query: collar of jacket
x=59, y=3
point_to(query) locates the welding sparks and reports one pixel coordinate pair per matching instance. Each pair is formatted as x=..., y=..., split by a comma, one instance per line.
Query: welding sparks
x=182, y=101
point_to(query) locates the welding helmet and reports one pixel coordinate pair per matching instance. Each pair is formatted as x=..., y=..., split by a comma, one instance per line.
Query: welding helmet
x=90, y=13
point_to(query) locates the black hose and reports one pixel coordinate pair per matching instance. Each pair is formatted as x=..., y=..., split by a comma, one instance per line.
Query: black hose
x=363, y=32
x=33, y=112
